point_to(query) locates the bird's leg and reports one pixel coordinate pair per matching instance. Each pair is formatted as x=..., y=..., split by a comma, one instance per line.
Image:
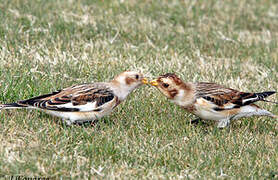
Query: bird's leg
x=196, y=121
x=68, y=122
x=223, y=123
x=94, y=122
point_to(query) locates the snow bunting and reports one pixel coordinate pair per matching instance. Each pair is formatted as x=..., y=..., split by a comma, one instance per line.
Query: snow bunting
x=85, y=102
x=210, y=101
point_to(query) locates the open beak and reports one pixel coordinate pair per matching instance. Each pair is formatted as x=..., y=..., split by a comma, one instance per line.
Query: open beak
x=145, y=81
x=154, y=83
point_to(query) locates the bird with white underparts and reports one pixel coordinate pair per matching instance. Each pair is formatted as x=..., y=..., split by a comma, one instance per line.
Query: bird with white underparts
x=210, y=101
x=85, y=102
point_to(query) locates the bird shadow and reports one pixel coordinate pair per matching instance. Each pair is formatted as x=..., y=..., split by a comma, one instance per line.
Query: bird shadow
x=85, y=124
x=258, y=126
x=208, y=127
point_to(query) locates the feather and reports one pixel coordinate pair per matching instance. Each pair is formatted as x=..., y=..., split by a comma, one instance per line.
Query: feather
x=227, y=98
x=88, y=97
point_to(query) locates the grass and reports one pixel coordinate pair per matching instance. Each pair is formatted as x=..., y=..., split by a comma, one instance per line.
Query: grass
x=48, y=45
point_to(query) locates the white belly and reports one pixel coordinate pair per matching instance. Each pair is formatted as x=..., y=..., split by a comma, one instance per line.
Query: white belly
x=204, y=110
x=79, y=116
x=207, y=114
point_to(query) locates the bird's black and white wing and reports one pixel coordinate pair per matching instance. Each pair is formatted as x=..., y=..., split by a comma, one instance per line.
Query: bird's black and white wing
x=223, y=98
x=82, y=98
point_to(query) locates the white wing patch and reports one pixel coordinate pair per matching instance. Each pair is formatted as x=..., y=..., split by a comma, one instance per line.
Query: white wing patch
x=90, y=106
x=229, y=106
x=250, y=99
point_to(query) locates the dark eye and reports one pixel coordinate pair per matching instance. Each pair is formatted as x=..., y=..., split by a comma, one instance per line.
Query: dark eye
x=165, y=85
x=137, y=76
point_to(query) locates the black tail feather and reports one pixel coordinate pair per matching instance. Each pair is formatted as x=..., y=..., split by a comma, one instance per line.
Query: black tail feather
x=11, y=105
x=33, y=100
x=27, y=102
x=263, y=95
x=249, y=98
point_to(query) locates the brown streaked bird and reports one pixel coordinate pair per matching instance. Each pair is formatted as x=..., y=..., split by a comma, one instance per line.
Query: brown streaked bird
x=85, y=102
x=210, y=101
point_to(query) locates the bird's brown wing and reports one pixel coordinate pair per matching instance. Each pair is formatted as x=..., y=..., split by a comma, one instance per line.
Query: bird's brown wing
x=86, y=97
x=226, y=98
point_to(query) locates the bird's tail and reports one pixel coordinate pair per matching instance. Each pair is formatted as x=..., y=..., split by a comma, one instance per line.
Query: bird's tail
x=12, y=106
x=249, y=98
x=261, y=96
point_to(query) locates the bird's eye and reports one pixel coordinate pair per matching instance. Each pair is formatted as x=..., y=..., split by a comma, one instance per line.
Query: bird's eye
x=137, y=76
x=165, y=85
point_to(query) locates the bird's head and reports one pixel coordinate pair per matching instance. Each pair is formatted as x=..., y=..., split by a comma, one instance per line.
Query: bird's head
x=169, y=84
x=129, y=80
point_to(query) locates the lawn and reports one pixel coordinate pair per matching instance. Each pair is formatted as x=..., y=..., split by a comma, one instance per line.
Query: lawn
x=49, y=45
